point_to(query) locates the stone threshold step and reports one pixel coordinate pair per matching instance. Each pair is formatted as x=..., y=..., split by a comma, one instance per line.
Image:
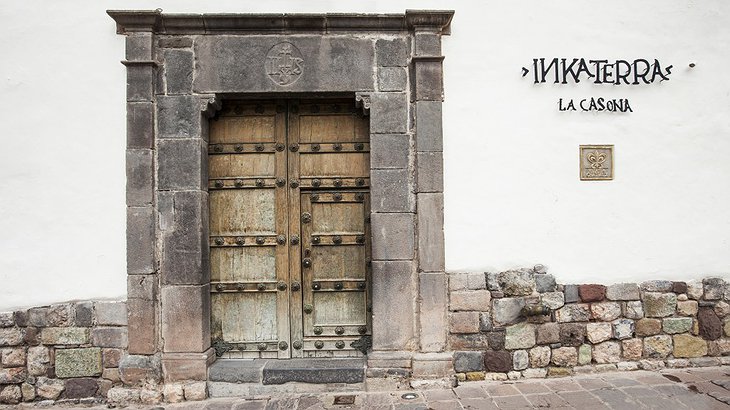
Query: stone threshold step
x=273, y=371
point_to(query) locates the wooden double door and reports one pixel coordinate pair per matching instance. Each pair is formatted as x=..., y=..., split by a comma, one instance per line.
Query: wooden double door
x=289, y=229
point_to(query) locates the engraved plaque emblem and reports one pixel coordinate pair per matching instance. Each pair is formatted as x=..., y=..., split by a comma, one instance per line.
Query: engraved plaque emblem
x=284, y=63
x=596, y=162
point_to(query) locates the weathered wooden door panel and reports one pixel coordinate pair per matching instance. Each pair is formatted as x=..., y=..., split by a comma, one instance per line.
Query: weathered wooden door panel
x=290, y=239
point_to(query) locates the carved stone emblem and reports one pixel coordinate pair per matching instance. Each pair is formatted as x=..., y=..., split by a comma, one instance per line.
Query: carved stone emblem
x=596, y=162
x=284, y=64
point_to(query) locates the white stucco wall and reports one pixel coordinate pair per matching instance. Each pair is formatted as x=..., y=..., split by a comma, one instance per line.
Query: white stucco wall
x=513, y=197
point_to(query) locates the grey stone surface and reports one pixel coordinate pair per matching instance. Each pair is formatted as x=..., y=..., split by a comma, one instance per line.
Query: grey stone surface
x=178, y=71
x=634, y=309
x=672, y=325
x=389, y=151
x=38, y=359
x=520, y=336
x=433, y=307
x=607, y=352
x=185, y=318
x=517, y=282
x=141, y=287
x=139, y=46
x=545, y=283
x=507, y=310
x=468, y=362
x=599, y=332
x=7, y=319
x=429, y=81
x=548, y=333
x=427, y=44
x=553, y=300
x=429, y=126
x=394, y=303
x=64, y=336
x=142, y=327
x=714, y=288
x=388, y=113
x=431, y=232
x=140, y=82
x=623, y=328
x=140, y=125
x=622, y=291
x=111, y=313
x=140, y=184
x=390, y=191
x=520, y=359
x=236, y=371
x=178, y=117
x=392, y=79
x=574, y=334
x=238, y=64
x=317, y=371
x=430, y=172
x=659, y=304
x=657, y=347
x=185, y=250
x=140, y=240
x=49, y=388
x=109, y=337
x=392, y=53
x=393, y=236
x=11, y=336
x=78, y=362
x=485, y=322
x=571, y=293
x=181, y=164
x=474, y=300
x=605, y=311
x=175, y=42
x=573, y=313
x=493, y=281
x=657, y=286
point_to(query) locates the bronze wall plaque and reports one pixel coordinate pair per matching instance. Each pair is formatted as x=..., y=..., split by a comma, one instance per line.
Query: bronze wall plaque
x=596, y=162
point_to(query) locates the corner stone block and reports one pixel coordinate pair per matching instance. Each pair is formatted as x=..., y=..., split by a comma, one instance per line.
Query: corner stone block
x=184, y=222
x=181, y=164
x=139, y=47
x=390, y=191
x=394, y=297
x=389, y=151
x=142, y=326
x=393, y=236
x=186, y=318
x=78, y=362
x=427, y=44
x=430, y=172
x=392, y=53
x=140, y=125
x=185, y=367
x=429, y=126
x=179, y=117
x=429, y=81
x=392, y=79
x=178, y=71
x=388, y=113
x=140, y=82
x=140, y=183
x=431, y=232
x=433, y=306
x=141, y=287
x=140, y=240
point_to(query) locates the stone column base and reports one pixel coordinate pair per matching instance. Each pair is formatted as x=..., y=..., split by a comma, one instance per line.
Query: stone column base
x=432, y=370
x=187, y=366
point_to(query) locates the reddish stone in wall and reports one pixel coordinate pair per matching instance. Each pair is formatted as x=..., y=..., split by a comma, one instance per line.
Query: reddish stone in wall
x=679, y=287
x=592, y=293
x=710, y=324
x=498, y=361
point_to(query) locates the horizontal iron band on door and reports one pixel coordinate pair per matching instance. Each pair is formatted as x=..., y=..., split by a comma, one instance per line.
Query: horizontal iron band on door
x=329, y=344
x=319, y=239
x=339, y=285
x=246, y=240
x=244, y=183
x=335, y=147
x=339, y=330
x=246, y=287
x=328, y=197
x=245, y=147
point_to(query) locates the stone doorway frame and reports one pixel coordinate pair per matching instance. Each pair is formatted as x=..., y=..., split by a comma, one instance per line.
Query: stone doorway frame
x=174, y=86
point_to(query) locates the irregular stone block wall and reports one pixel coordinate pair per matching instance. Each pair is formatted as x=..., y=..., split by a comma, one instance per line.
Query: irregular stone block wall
x=62, y=352
x=585, y=328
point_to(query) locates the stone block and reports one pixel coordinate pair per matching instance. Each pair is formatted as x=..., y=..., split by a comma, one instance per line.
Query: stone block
x=139, y=46
x=689, y=346
x=553, y=300
x=679, y=287
x=585, y=354
x=134, y=369
x=564, y=356
x=496, y=339
x=7, y=319
x=394, y=303
x=478, y=300
x=657, y=286
x=659, y=304
x=391, y=191
x=506, y=311
x=38, y=360
x=429, y=126
x=623, y=329
x=150, y=395
x=392, y=79
x=592, y=293
x=539, y=356
x=720, y=347
x=123, y=396
x=573, y=334
x=623, y=291
x=393, y=236
x=545, y=283
x=427, y=44
x=140, y=185
x=634, y=309
x=184, y=222
x=142, y=326
x=10, y=394
x=173, y=393
x=11, y=336
x=520, y=360
x=520, y=336
x=573, y=313
x=80, y=388
x=141, y=287
x=140, y=240
x=497, y=361
x=548, y=333
x=517, y=282
x=178, y=71
x=195, y=391
x=726, y=327
x=109, y=337
x=236, y=371
x=714, y=288
x=186, y=366
x=672, y=325
x=648, y=327
x=485, y=321
x=111, y=313
x=431, y=232
x=657, y=347
x=469, y=341
x=64, y=336
x=429, y=82
x=179, y=117
x=85, y=362
x=430, y=172
x=464, y=322
x=12, y=375
x=476, y=281
x=607, y=352
x=111, y=374
x=181, y=163
x=84, y=314
x=599, y=332
x=140, y=82
x=433, y=307
x=240, y=64
x=61, y=314
x=186, y=318
x=631, y=349
x=388, y=113
x=110, y=357
x=13, y=357
x=468, y=362
x=392, y=53
x=37, y=317
x=140, y=125
x=605, y=311
x=389, y=151
x=175, y=42
x=722, y=309
x=571, y=293
x=710, y=325
x=695, y=289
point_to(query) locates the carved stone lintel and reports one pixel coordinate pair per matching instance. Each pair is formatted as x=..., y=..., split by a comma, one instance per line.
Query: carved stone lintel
x=210, y=104
x=362, y=100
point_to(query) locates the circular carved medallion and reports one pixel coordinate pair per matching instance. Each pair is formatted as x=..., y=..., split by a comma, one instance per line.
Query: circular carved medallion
x=284, y=64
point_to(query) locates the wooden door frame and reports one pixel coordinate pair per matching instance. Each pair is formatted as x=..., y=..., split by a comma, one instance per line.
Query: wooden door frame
x=180, y=67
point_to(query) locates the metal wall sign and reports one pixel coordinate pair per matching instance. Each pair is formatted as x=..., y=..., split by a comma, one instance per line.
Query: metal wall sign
x=596, y=162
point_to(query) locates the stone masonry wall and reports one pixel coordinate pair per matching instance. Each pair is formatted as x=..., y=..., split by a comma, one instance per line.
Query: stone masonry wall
x=585, y=328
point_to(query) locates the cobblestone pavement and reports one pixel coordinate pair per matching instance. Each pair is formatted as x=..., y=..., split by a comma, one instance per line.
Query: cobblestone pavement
x=697, y=388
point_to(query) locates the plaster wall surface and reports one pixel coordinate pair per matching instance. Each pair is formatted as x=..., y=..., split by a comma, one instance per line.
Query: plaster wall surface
x=512, y=193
